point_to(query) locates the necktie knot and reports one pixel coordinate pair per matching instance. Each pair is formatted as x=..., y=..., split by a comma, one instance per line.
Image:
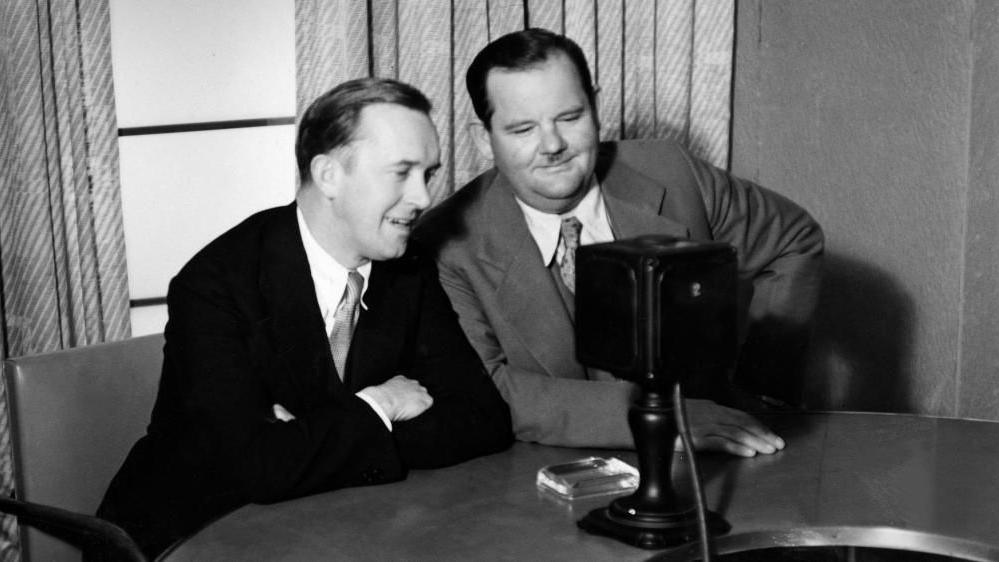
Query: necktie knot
x=343, y=321
x=355, y=282
x=571, y=227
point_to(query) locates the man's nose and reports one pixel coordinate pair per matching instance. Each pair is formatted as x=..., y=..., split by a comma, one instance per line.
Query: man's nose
x=418, y=192
x=552, y=141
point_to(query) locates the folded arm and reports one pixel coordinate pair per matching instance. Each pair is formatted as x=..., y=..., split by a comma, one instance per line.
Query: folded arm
x=216, y=397
x=780, y=250
x=588, y=413
x=468, y=418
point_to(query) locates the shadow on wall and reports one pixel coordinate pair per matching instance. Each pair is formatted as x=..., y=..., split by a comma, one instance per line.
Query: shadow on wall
x=862, y=341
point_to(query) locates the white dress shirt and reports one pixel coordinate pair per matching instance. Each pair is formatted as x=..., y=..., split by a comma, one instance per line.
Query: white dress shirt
x=546, y=230
x=546, y=227
x=329, y=278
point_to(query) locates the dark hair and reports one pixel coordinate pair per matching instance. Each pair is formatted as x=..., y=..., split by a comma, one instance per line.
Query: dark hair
x=331, y=121
x=521, y=50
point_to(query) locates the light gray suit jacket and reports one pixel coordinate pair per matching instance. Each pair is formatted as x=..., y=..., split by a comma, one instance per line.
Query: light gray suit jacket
x=510, y=306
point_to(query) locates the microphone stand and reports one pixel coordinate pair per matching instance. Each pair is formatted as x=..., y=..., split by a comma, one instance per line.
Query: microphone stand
x=654, y=516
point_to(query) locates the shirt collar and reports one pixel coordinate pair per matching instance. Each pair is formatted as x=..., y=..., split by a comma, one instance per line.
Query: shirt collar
x=545, y=227
x=328, y=275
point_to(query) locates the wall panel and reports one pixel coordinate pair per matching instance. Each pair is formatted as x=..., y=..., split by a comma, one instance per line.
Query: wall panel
x=195, y=186
x=178, y=61
x=860, y=110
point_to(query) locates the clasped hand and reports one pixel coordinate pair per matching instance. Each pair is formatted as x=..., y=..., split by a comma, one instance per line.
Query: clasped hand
x=401, y=398
x=718, y=428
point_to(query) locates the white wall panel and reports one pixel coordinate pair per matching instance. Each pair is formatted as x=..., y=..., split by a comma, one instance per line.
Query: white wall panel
x=183, y=61
x=148, y=320
x=181, y=190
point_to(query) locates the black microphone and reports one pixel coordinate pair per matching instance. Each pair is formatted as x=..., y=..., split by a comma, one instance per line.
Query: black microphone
x=656, y=309
x=660, y=312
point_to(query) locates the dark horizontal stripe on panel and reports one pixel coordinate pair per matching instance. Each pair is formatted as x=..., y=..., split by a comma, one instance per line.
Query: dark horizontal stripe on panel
x=154, y=301
x=206, y=126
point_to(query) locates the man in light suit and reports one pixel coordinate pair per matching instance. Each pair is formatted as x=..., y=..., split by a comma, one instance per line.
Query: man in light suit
x=500, y=248
x=306, y=348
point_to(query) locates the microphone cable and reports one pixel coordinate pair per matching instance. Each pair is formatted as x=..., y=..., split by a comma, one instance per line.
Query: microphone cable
x=700, y=505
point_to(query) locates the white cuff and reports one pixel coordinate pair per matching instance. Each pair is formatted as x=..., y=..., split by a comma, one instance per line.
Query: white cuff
x=374, y=406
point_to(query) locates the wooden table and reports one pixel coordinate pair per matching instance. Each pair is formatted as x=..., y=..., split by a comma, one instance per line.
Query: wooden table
x=872, y=480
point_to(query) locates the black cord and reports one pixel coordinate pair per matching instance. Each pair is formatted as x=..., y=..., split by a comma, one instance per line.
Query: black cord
x=688, y=448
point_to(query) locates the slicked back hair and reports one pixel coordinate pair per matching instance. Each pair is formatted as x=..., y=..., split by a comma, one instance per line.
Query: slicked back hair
x=522, y=50
x=332, y=119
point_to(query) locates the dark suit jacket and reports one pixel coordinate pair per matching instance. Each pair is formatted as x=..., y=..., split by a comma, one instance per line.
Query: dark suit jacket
x=244, y=333
x=512, y=312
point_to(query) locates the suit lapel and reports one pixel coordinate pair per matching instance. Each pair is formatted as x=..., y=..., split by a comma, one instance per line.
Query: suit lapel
x=525, y=291
x=293, y=324
x=634, y=201
x=380, y=334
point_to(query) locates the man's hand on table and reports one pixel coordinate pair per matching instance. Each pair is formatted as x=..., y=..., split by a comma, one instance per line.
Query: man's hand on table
x=718, y=428
x=400, y=398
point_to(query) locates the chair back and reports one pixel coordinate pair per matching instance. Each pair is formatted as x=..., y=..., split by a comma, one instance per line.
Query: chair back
x=75, y=414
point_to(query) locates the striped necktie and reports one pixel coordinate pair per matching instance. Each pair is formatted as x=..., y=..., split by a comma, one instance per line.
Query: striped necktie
x=570, y=238
x=344, y=320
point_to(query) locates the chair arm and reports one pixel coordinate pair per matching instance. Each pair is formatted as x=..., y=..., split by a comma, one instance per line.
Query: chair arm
x=86, y=531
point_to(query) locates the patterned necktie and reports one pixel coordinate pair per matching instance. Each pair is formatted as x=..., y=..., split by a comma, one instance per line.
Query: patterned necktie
x=343, y=321
x=570, y=238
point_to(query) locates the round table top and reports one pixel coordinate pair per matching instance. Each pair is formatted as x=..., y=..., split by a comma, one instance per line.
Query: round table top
x=872, y=480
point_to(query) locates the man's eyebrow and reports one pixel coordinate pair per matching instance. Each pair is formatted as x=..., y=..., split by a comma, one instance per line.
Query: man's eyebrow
x=574, y=109
x=412, y=164
x=517, y=124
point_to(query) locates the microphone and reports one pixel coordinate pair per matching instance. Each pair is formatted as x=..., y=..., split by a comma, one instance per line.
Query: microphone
x=657, y=311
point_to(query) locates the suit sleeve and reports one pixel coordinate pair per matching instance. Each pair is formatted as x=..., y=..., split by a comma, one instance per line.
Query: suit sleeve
x=215, y=397
x=545, y=409
x=780, y=248
x=469, y=418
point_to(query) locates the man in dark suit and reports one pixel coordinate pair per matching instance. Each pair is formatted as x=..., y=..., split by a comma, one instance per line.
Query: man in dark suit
x=501, y=243
x=306, y=349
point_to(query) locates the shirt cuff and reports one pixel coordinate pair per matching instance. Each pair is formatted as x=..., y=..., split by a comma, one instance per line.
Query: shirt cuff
x=374, y=406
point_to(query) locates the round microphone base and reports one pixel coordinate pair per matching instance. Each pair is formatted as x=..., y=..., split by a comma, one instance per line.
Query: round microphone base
x=649, y=530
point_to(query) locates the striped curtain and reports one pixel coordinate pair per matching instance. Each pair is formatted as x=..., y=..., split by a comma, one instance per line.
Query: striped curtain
x=62, y=250
x=664, y=67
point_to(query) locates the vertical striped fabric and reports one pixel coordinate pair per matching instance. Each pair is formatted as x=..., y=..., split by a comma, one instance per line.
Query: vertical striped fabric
x=471, y=33
x=663, y=67
x=548, y=14
x=639, y=69
x=608, y=71
x=62, y=247
x=581, y=27
x=505, y=16
x=710, y=80
x=673, y=51
x=425, y=62
x=384, y=39
x=331, y=46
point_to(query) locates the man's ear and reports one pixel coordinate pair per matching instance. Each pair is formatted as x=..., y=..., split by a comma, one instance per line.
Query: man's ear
x=596, y=105
x=327, y=172
x=480, y=136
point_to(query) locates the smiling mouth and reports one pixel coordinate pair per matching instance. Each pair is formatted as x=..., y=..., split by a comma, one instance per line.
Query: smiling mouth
x=557, y=169
x=556, y=165
x=400, y=222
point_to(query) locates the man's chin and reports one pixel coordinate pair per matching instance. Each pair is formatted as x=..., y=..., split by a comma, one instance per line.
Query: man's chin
x=390, y=252
x=567, y=192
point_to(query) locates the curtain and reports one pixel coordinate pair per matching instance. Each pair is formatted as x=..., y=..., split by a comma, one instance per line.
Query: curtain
x=663, y=67
x=63, y=281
